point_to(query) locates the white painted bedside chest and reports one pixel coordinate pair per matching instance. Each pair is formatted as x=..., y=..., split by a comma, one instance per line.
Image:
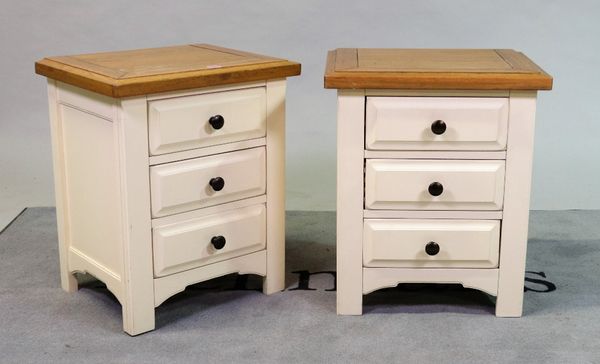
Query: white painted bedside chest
x=169, y=169
x=434, y=169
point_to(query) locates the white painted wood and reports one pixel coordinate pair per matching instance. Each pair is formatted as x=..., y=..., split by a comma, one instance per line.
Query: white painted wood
x=472, y=165
x=67, y=279
x=205, y=90
x=513, y=246
x=275, y=278
x=350, y=148
x=403, y=184
x=211, y=210
x=93, y=187
x=184, y=186
x=400, y=243
x=425, y=154
x=80, y=262
x=206, y=151
x=102, y=178
x=105, y=210
x=404, y=123
x=485, y=280
x=425, y=214
x=187, y=244
x=437, y=93
x=165, y=287
x=90, y=102
x=181, y=123
x=132, y=132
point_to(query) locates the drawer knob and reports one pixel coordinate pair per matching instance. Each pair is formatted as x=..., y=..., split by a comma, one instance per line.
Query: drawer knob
x=432, y=248
x=217, y=183
x=218, y=242
x=438, y=127
x=216, y=121
x=435, y=189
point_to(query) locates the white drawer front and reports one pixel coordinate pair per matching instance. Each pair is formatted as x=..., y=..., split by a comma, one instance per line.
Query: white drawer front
x=402, y=243
x=189, y=244
x=407, y=123
x=397, y=184
x=186, y=185
x=183, y=123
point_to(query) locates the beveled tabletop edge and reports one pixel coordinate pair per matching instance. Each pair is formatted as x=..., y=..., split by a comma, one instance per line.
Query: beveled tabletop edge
x=537, y=79
x=271, y=68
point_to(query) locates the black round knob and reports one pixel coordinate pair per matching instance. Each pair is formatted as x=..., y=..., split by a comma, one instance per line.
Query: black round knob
x=217, y=183
x=218, y=242
x=216, y=121
x=438, y=127
x=432, y=248
x=435, y=189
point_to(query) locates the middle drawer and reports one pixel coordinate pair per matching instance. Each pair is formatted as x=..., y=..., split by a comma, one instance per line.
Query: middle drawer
x=399, y=184
x=207, y=181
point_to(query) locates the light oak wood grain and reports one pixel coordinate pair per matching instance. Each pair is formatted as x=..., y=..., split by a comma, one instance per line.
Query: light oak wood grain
x=456, y=69
x=154, y=70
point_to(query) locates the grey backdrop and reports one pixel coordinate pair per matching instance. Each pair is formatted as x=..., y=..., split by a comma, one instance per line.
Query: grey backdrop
x=561, y=36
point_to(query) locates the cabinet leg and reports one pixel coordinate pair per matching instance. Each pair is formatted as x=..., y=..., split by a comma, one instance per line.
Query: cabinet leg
x=275, y=280
x=138, y=318
x=509, y=302
x=68, y=281
x=349, y=303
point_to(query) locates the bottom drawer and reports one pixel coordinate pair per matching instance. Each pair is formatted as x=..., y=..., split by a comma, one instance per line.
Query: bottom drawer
x=405, y=243
x=208, y=239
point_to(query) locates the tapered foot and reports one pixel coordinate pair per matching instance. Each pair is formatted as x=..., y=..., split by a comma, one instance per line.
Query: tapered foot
x=69, y=283
x=273, y=283
x=138, y=320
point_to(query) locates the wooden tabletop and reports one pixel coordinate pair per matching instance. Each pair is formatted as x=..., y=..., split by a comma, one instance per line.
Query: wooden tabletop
x=458, y=69
x=153, y=70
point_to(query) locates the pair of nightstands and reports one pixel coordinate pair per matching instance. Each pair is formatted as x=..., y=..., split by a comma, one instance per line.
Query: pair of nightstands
x=169, y=169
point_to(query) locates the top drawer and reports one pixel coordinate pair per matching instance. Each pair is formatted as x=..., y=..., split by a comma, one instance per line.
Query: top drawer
x=184, y=123
x=436, y=123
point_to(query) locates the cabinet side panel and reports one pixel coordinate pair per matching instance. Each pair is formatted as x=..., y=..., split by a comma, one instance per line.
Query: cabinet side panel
x=91, y=179
x=91, y=102
x=68, y=281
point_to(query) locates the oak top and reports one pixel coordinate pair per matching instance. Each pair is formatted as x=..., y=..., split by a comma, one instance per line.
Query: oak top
x=458, y=69
x=153, y=70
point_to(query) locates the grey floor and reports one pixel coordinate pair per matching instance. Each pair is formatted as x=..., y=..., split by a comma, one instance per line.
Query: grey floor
x=229, y=320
